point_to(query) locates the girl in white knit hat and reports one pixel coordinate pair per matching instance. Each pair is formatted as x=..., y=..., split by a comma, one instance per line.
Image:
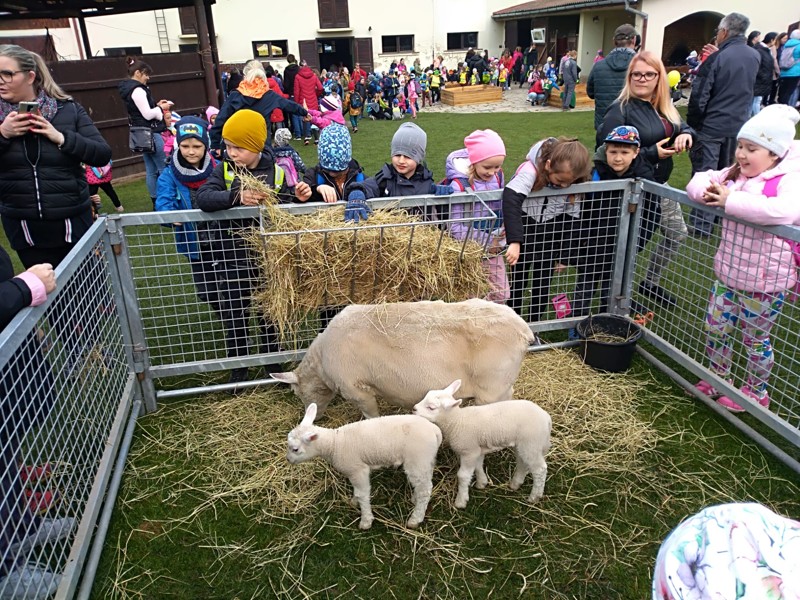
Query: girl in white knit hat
x=755, y=270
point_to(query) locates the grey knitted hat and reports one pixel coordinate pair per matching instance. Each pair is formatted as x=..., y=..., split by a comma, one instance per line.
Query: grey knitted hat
x=410, y=140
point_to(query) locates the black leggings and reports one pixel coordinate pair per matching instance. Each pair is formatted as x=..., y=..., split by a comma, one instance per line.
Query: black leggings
x=108, y=189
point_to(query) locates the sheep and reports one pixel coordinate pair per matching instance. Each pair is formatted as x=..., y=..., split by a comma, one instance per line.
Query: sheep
x=357, y=448
x=474, y=431
x=397, y=352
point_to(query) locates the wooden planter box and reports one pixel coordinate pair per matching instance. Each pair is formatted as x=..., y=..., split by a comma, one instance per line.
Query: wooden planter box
x=581, y=99
x=455, y=95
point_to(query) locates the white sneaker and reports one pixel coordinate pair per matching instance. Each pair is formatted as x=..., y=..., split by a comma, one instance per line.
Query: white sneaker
x=49, y=531
x=29, y=582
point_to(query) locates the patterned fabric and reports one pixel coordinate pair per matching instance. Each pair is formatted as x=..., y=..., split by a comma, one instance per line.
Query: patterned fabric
x=47, y=106
x=756, y=313
x=191, y=177
x=254, y=89
x=730, y=552
x=335, y=149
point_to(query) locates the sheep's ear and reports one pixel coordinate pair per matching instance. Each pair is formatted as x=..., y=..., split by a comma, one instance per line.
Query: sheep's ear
x=311, y=414
x=309, y=437
x=289, y=377
x=453, y=387
x=448, y=404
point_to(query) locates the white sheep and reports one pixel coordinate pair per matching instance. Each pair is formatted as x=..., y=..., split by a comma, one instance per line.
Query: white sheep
x=397, y=352
x=357, y=448
x=474, y=431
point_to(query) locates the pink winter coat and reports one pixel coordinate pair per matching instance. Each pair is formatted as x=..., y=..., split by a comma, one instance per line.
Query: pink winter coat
x=323, y=119
x=748, y=259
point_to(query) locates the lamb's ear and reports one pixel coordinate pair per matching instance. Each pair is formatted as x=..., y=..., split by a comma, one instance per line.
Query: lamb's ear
x=453, y=387
x=451, y=403
x=289, y=377
x=310, y=437
x=311, y=414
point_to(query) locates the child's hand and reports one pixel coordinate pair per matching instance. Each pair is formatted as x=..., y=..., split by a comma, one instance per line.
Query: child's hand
x=716, y=195
x=512, y=253
x=308, y=118
x=302, y=191
x=327, y=192
x=252, y=198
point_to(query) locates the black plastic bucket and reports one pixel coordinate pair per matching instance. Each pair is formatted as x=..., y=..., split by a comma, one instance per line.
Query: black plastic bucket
x=611, y=356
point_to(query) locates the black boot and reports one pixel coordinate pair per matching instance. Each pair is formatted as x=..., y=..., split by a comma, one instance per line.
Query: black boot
x=237, y=376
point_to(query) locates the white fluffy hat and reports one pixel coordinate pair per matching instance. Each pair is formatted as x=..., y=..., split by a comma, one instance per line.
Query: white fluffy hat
x=773, y=128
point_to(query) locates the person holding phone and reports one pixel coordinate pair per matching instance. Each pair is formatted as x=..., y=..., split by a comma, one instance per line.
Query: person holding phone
x=45, y=136
x=646, y=104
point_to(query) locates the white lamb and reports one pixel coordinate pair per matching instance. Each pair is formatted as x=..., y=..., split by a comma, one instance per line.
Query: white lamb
x=474, y=431
x=357, y=448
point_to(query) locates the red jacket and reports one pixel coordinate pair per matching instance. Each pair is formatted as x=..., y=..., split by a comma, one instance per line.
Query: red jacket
x=308, y=87
x=277, y=114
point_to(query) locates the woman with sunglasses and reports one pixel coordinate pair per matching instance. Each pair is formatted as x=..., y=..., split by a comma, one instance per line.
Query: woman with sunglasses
x=44, y=198
x=646, y=103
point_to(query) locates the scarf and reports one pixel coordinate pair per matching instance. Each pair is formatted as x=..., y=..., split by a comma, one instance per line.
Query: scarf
x=253, y=89
x=191, y=177
x=47, y=106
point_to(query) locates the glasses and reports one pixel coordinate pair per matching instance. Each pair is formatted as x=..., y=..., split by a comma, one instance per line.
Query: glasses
x=639, y=76
x=8, y=76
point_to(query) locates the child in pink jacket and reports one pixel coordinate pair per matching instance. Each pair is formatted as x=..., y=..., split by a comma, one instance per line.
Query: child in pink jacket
x=330, y=111
x=754, y=269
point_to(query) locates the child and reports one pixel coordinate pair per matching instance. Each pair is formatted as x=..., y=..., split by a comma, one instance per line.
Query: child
x=401, y=103
x=244, y=135
x=618, y=158
x=479, y=168
x=100, y=178
x=413, y=94
x=425, y=83
x=330, y=180
x=502, y=78
x=330, y=111
x=436, y=85
x=288, y=158
x=473, y=78
x=211, y=114
x=188, y=169
x=354, y=104
x=168, y=135
x=462, y=76
x=754, y=269
x=536, y=93
x=539, y=230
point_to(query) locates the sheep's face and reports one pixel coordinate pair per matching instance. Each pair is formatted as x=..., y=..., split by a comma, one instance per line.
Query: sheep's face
x=437, y=402
x=309, y=388
x=301, y=444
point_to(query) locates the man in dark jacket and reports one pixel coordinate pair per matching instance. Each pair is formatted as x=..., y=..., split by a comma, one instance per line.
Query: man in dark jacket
x=721, y=101
x=530, y=58
x=289, y=73
x=608, y=76
x=763, y=85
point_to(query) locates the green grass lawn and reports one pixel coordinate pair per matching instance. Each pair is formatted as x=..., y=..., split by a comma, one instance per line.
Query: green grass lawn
x=202, y=515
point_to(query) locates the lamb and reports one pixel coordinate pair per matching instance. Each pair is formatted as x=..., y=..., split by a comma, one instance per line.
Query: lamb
x=473, y=432
x=357, y=448
x=397, y=352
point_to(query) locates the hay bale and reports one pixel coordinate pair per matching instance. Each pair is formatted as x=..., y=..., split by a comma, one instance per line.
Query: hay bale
x=318, y=260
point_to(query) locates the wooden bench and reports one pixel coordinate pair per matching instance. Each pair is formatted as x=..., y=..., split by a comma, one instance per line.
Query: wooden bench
x=581, y=99
x=456, y=95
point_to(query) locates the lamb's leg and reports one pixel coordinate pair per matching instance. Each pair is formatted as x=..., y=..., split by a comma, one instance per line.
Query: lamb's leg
x=420, y=476
x=469, y=462
x=361, y=494
x=539, y=476
x=520, y=471
x=532, y=457
x=481, y=480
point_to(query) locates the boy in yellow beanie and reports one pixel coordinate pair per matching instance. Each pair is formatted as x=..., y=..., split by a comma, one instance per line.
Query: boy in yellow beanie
x=244, y=135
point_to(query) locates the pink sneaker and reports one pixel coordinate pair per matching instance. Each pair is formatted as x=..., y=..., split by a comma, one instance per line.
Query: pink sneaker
x=762, y=400
x=709, y=390
x=729, y=404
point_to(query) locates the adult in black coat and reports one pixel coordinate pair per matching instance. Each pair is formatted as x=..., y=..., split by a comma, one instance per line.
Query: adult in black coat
x=721, y=102
x=289, y=73
x=646, y=103
x=44, y=197
x=763, y=85
x=24, y=402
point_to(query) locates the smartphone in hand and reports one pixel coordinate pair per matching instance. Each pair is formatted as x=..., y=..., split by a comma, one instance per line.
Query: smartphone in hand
x=29, y=107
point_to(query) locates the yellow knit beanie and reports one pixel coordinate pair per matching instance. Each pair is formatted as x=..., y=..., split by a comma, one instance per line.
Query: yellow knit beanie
x=247, y=129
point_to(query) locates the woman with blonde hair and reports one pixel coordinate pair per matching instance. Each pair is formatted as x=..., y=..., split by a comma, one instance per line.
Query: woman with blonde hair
x=645, y=102
x=253, y=93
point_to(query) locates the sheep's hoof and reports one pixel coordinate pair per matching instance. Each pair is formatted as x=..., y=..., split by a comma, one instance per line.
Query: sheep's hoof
x=533, y=499
x=354, y=502
x=413, y=523
x=365, y=524
x=461, y=503
x=513, y=485
x=481, y=485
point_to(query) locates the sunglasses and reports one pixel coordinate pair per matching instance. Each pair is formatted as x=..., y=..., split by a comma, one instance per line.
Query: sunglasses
x=639, y=76
x=8, y=76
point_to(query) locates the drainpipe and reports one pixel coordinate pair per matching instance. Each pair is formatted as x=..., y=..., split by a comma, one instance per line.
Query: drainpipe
x=644, y=17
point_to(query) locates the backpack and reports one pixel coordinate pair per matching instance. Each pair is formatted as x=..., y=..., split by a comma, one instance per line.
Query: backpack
x=787, y=60
x=771, y=191
x=355, y=100
x=289, y=171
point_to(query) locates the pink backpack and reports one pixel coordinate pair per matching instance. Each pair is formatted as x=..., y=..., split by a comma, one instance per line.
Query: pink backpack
x=771, y=191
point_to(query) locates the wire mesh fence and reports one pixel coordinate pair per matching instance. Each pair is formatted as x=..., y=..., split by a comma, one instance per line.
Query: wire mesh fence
x=65, y=388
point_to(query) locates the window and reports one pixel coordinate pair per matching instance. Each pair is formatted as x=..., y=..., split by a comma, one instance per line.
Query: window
x=188, y=48
x=333, y=14
x=126, y=51
x=397, y=43
x=188, y=20
x=462, y=41
x=268, y=48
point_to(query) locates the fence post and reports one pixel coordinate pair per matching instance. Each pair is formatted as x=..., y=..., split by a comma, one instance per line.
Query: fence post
x=122, y=277
x=625, y=255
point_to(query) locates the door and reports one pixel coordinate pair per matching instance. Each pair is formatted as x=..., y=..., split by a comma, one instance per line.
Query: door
x=308, y=52
x=363, y=52
x=511, y=35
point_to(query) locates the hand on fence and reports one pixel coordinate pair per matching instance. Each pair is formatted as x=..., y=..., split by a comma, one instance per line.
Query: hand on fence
x=512, y=253
x=441, y=190
x=46, y=275
x=302, y=191
x=357, y=208
x=716, y=195
x=327, y=192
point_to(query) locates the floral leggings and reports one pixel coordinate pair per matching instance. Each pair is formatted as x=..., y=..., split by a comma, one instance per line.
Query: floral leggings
x=756, y=312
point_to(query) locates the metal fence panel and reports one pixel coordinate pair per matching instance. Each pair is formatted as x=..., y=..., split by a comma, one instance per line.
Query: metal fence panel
x=65, y=390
